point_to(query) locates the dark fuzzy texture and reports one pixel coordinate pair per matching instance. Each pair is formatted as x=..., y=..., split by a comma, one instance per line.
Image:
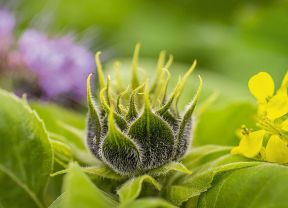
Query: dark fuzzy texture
x=92, y=142
x=123, y=160
x=155, y=137
x=161, y=138
x=184, y=141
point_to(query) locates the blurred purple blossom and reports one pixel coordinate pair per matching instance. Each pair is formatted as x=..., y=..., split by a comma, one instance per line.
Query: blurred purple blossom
x=60, y=64
x=7, y=24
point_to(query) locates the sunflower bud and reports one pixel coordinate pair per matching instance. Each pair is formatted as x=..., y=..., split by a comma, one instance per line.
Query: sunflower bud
x=137, y=129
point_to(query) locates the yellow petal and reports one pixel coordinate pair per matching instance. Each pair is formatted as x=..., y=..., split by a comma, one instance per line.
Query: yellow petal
x=250, y=145
x=235, y=151
x=277, y=106
x=261, y=86
x=284, y=125
x=277, y=150
x=262, y=108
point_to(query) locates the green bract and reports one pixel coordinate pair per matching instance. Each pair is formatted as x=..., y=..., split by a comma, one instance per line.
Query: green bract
x=139, y=128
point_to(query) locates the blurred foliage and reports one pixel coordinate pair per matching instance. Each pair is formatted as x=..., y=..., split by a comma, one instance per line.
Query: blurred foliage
x=222, y=129
x=235, y=38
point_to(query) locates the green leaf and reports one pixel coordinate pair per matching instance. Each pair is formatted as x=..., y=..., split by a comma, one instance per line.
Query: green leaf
x=82, y=156
x=171, y=166
x=55, y=118
x=58, y=202
x=199, y=155
x=26, y=155
x=61, y=151
x=81, y=192
x=132, y=188
x=150, y=203
x=193, y=185
x=102, y=171
x=218, y=125
x=52, y=113
x=264, y=185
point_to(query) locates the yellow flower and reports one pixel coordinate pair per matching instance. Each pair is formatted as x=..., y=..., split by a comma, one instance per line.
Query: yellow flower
x=262, y=87
x=276, y=150
x=272, y=119
x=250, y=143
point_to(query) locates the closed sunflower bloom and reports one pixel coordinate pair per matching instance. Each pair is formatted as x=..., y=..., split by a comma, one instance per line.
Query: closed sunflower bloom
x=139, y=128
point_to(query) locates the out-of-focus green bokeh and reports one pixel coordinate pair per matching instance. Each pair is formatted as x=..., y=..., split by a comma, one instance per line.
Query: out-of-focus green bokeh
x=233, y=38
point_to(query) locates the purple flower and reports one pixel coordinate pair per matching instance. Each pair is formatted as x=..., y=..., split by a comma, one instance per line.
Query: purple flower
x=60, y=64
x=7, y=23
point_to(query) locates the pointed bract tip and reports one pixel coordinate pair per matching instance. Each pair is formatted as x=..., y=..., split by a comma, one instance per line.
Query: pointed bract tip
x=146, y=95
x=99, y=70
x=134, y=79
x=169, y=62
x=111, y=116
x=201, y=82
x=88, y=86
x=197, y=95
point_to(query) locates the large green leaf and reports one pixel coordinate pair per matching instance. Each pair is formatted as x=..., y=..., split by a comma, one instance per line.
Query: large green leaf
x=180, y=189
x=26, y=156
x=218, y=125
x=81, y=192
x=260, y=186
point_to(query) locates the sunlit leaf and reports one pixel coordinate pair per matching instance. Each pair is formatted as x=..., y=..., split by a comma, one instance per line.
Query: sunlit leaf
x=264, y=185
x=195, y=184
x=26, y=155
x=81, y=192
